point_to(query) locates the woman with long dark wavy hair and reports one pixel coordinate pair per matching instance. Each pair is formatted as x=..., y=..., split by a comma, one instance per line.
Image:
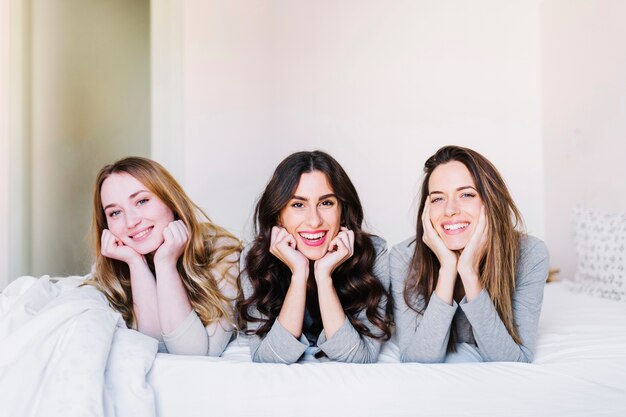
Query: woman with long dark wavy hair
x=160, y=262
x=469, y=285
x=312, y=278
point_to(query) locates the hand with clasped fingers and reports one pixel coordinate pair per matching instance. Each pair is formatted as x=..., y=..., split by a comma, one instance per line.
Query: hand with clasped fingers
x=175, y=237
x=340, y=249
x=113, y=247
x=283, y=246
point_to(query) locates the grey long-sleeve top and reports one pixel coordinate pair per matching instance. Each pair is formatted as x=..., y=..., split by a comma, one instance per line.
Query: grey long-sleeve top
x=424, y=338
x=346, y=345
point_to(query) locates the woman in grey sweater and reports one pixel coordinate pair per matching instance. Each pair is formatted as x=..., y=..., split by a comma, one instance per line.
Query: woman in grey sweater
x=312, y=279
x=469, y=286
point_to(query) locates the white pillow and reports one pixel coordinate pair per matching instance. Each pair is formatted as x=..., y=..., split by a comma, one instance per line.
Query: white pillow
x=600, y=239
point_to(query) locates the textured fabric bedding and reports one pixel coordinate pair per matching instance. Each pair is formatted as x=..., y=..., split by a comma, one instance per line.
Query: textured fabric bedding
x=64, y=352
x=579, y=370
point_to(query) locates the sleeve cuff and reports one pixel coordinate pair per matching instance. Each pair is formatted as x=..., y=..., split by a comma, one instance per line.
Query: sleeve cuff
x=478, y=305
x=439, y=305
x=281, y=346
x=182, y=328
x=344, y=341
x=189, y=338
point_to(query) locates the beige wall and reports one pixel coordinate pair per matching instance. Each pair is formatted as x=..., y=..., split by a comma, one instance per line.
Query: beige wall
x=14, y=132
x=536, y=86
x=4, y=142
x=380, y=85
x=584, y=113
x=90, y=106
x=166, y=92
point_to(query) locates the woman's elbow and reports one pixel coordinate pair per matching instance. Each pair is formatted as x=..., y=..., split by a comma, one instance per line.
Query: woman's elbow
x=415, y=357
x=198, y=350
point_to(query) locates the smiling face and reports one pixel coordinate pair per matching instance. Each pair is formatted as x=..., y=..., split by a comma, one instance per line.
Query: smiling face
x=134, y=214
x=313, y=215
x=454, y=204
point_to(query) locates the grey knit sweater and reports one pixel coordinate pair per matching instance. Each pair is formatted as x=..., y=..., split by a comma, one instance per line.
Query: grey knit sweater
x=346, y=345
x=424, y=337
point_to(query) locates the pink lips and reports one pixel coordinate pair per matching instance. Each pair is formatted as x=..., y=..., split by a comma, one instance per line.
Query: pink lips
x=316, y=242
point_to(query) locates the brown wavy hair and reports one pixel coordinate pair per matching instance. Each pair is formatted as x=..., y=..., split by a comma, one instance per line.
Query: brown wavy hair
x=498, y=265
x=208, y=257
x=354, y=281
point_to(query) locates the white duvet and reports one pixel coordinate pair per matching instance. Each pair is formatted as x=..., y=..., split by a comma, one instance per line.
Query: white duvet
x=64, y=352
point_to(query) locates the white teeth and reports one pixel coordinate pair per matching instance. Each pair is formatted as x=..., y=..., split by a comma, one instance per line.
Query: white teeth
x=313, y=236
x=141, y=234
x=455, y=226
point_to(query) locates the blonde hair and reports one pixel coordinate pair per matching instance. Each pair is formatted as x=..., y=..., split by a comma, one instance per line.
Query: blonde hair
x=210, y=255
x=498, y=267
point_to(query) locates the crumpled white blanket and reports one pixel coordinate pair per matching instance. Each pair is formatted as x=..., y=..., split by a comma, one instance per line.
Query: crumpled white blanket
x=65, y=352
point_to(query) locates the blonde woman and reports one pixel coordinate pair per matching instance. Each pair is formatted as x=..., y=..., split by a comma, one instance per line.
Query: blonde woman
x=469, y=285
x=161, y=263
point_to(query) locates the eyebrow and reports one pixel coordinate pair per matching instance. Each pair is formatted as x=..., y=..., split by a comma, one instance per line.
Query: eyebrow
x=322, y=197
x=130, y=197
x=458, y=189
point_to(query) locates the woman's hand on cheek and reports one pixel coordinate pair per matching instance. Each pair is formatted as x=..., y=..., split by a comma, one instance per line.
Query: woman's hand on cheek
x=339, y=250
x=113, y=248
x=447, y=258
x=175, y=237
x=469, y=260
x=283, y=246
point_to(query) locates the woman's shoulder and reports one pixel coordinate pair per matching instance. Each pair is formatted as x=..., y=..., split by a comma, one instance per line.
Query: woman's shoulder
x=381, y=263
x=244, y=279
x=247, y=247
x=532, y=247
x=228, y=242
x=380, y=244
x=219, y=238
x=403, y=251
x=224, y=251
x=533, y=261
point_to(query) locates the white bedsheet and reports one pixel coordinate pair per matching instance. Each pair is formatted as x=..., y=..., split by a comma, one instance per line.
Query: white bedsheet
x=579, y=370
x=65, y=352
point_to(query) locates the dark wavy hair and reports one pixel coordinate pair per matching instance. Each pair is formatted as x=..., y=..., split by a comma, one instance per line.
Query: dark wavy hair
x=354, y=281
x=498, y=266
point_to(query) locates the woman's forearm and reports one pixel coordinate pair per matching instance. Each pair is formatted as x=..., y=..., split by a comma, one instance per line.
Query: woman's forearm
x=291, y=314
x=331, y=309
x=171, y=295
x=143, y=287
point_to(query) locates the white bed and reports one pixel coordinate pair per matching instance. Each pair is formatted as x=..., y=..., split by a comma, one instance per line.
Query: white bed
x=579, y=370
x=62, y=353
